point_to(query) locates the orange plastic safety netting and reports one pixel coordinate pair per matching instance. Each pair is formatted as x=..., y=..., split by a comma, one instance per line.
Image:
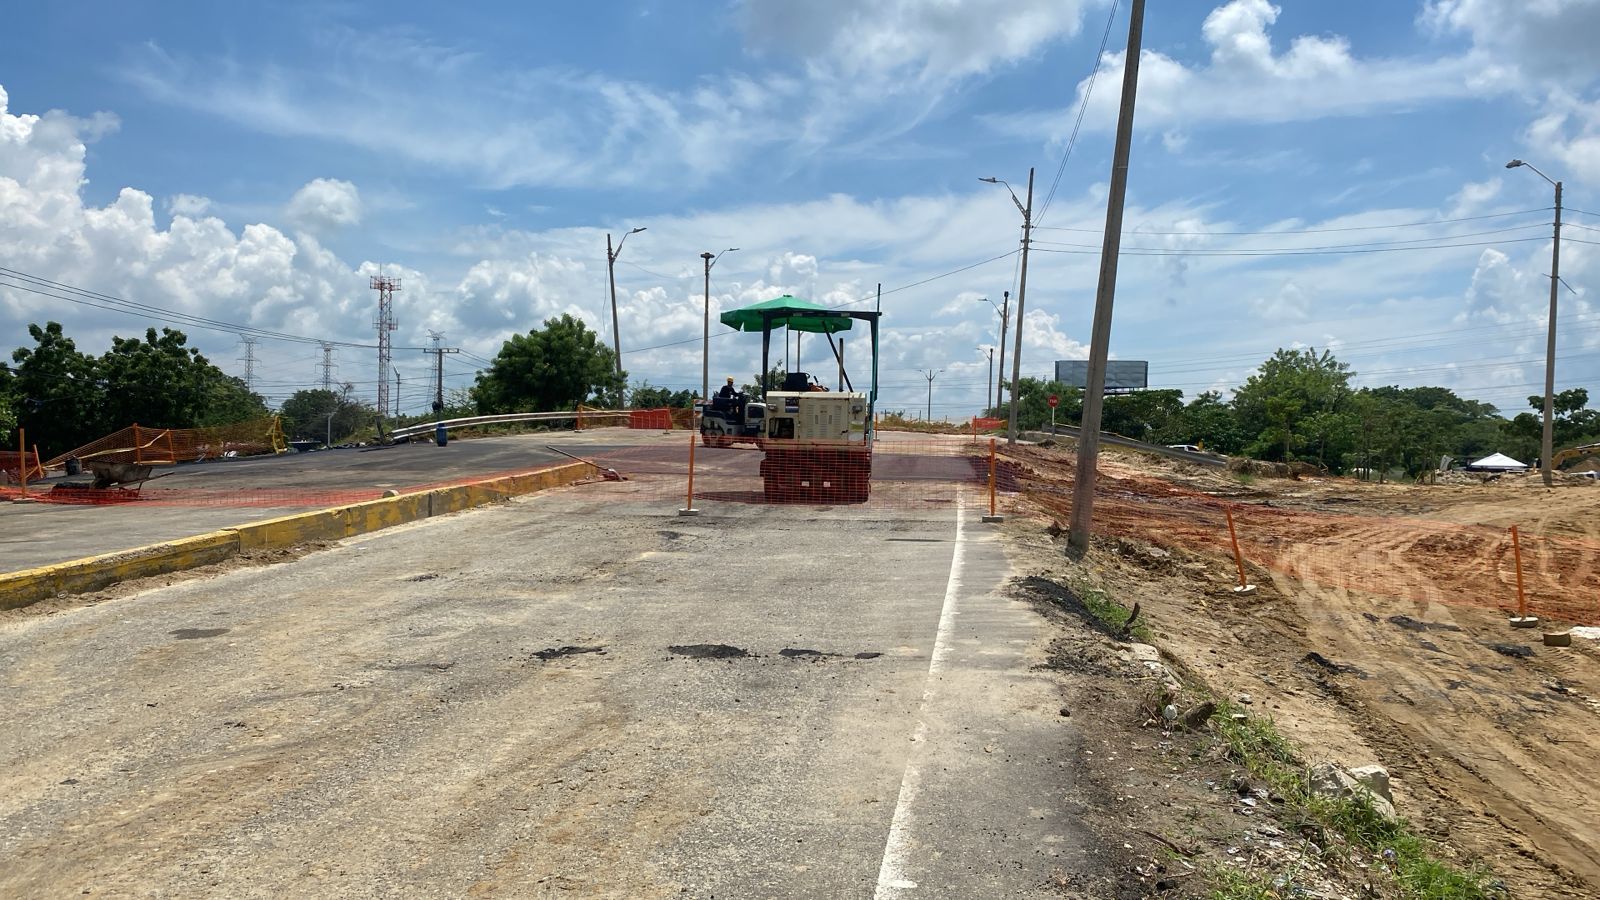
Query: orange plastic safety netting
x=17, y=465
x=1410, y=558
x=156, y=446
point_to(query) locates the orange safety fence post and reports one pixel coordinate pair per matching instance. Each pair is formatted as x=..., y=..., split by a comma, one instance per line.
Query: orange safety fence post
x=993, y=516
x=1521, y=619
x=171, y=450
x=22, y=460
x=1245, y=587
x=36, y=463
x=688, y=509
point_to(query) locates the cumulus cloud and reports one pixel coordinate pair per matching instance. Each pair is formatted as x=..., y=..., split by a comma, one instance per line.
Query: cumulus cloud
x=324, y=204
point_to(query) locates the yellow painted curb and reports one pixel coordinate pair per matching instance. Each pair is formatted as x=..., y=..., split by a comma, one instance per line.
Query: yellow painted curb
x=19, y=589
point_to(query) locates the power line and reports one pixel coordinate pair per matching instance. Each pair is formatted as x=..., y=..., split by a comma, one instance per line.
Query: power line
x=1324, y=251
x=1088, y=90
x=1448, y=237
x=1521, y=212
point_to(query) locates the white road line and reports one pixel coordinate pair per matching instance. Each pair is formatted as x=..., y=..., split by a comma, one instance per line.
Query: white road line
x=893, y=880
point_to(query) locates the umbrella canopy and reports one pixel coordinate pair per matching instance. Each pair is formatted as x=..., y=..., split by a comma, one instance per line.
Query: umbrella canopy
x=787, y=312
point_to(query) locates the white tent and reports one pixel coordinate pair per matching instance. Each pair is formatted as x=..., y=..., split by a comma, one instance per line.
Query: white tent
x=1498, y=462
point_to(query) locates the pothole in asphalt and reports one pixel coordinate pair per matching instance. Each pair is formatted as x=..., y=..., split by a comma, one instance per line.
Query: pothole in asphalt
x=550, y=653
x=804, y=653
x=708, y=651
x=425, y=576
x=189, y=634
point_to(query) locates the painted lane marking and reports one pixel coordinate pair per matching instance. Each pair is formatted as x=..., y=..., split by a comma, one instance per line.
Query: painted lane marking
x=893, y=880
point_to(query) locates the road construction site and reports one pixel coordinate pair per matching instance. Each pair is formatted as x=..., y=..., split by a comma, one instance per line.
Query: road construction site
x=582, y=693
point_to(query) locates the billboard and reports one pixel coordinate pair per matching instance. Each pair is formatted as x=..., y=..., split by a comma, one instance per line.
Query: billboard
x=1121, y=374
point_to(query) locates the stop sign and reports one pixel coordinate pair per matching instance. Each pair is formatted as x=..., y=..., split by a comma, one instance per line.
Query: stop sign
x=1054, y=401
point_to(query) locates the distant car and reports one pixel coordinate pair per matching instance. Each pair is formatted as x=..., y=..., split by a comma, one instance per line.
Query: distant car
x=1592, y=475
x=1191, y=448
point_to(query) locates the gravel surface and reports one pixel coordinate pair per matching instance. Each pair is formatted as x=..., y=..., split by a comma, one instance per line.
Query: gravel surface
x=575, y=694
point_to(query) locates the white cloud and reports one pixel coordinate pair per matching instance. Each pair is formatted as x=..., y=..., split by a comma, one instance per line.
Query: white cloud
x=324, y=204
x=1247, y=80
x=932, y=40
x=188, y=205
x=1537, y=39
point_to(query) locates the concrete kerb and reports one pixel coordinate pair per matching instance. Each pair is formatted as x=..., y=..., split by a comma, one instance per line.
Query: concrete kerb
x=29, y=586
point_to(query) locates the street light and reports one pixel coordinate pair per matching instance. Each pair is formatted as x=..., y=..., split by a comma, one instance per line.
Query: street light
x=1005, y=320
x=1022, y=292
x=611, y=270
x=1547, y=440
x=705, y=340
x=991, y=375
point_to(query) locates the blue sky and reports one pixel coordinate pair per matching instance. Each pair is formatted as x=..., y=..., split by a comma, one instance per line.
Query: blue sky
x=254, y=164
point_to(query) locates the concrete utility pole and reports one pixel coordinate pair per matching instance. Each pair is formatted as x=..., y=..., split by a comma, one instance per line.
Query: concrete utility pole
x=397, y=394
x=611, y=272
x=1100, y=336
x=438, y=352
x=1022, y=293
x=1005, y=320
x=931, y=373
x=1547, y=440
x=990, y=388
x=705, y=338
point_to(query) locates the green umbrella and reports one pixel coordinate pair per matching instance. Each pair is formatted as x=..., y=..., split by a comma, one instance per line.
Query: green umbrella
x=787, y=312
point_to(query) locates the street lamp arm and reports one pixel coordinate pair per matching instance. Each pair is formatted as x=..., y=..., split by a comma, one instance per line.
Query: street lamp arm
x=1517, y=163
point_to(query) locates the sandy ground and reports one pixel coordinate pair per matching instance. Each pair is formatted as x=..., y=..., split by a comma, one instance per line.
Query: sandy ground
x=1399, y=591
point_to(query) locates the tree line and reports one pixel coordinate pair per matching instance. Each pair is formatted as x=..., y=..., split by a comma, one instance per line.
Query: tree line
x=1299, y=406
x=65, y=398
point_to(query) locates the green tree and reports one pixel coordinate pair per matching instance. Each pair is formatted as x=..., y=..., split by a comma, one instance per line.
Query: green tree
x=646, y=396
x=775, y=377
x=162, y=382
x=1207, y=421
x=57, y=392
x=1033, y=406
x=1287, y=388
x=555, y=367
x=1141, y=415
x=305, y=415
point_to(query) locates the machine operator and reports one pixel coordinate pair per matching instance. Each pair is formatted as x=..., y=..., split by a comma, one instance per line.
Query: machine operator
x=728, y=391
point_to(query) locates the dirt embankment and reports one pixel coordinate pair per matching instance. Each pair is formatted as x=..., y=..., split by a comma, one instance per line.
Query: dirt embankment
x=1368, y=639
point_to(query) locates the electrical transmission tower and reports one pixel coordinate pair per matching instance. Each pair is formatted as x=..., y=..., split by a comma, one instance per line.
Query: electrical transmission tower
x=327, y=366
x=385, y=286
x=438, y=368
x=249, y=360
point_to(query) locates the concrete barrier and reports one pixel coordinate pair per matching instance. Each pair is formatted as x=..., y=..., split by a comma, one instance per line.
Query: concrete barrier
x=28, y=586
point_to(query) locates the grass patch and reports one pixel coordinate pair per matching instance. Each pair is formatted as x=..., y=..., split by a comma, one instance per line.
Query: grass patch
x=1245, y=478
x=1256, y=743
x=1109, y=612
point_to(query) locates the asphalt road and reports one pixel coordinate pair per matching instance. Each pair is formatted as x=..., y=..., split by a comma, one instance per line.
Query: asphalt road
x=535, y=700
x=194, y=498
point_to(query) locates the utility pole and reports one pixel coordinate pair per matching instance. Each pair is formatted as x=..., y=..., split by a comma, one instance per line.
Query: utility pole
x=386, y=287
x=1022, y=293
x=990, y=389
x=1100, y=336
x=611, y=272
x=397, y=394
x=930, y=376
x=1005, y=320
x=438, y=369
x=249, y=360
x=1547, y=440
x=327, y=366
x=705, y=338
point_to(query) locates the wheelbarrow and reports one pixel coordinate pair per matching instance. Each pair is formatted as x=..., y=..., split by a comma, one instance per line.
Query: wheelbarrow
x=120, y=475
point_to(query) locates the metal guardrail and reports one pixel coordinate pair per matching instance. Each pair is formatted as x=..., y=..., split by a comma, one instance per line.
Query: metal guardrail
x=468, y=421
x=1115, y=440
